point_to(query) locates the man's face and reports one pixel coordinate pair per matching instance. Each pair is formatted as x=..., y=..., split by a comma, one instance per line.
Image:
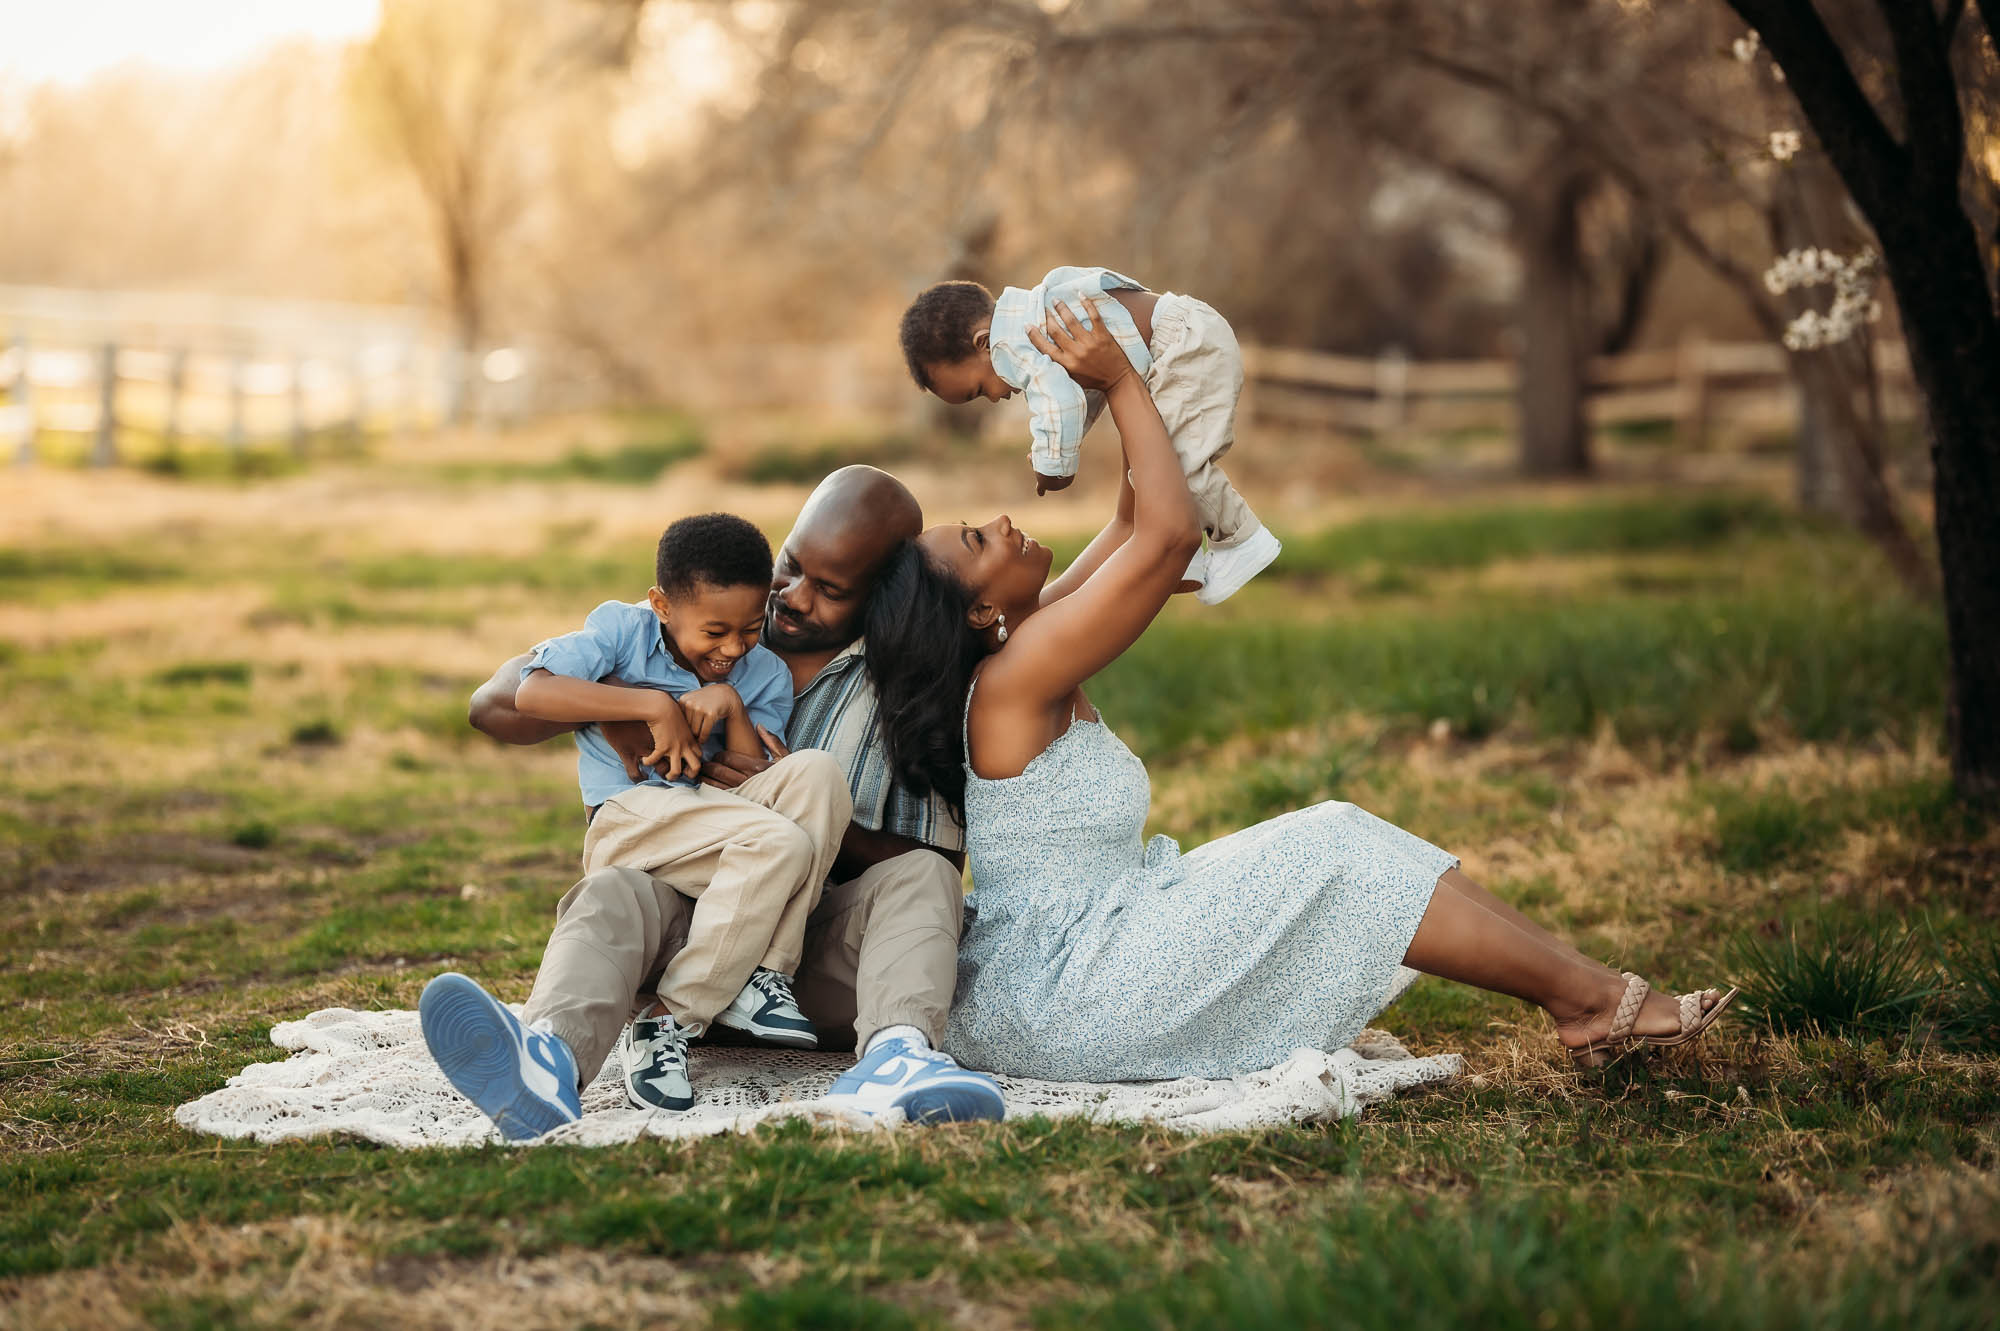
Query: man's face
x=819, y=587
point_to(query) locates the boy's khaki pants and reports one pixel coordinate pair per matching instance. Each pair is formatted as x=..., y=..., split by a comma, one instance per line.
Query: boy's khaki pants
x=880, y=950
x=753, y=859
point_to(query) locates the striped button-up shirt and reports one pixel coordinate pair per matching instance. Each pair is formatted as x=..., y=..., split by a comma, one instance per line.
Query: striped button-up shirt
x=1059, y=411
x=838, y=712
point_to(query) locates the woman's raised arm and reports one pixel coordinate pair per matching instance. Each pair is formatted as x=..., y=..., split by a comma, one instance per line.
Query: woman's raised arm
x=1075, y=636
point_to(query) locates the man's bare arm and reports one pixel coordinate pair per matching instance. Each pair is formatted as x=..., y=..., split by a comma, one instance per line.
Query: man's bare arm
x=493, y=713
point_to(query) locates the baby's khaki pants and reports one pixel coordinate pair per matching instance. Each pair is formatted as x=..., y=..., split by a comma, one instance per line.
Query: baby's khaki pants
x=1196, y=379
x=752, y=859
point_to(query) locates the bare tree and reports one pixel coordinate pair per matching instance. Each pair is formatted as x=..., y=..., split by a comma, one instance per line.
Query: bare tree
x=444, y=88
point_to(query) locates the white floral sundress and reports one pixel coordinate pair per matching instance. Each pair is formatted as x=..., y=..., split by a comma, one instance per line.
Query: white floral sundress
x=1091, y=956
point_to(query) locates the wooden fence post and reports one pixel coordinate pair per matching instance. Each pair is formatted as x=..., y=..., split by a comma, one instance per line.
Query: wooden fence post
x=357, y=396
x=297, y=389
x=1693, y=403
x=24, y=402
x=234, y=438
x=170, y=432
x=1246, y=401
x=104, y=452
x=1392, y=391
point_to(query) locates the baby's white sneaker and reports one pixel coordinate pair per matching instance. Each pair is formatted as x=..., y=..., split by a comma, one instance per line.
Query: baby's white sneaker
x=1230, y=566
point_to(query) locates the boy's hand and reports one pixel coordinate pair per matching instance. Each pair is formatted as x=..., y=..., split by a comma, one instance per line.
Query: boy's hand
x=1045, y=484
x=709, y=706
x=676, y=753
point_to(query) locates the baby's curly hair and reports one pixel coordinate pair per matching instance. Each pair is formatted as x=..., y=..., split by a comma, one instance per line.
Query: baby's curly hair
x=937, y=328
x=719, y=549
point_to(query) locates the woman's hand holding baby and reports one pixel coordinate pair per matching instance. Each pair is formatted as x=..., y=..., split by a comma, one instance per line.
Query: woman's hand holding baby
x=1088, y=352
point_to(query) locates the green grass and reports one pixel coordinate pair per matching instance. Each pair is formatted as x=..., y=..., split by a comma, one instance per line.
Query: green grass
x=1671, y=722
x=1815, y=665
x=1859, y=979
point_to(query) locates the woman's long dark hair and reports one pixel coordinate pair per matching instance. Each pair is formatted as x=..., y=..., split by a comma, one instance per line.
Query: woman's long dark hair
x=921, y=654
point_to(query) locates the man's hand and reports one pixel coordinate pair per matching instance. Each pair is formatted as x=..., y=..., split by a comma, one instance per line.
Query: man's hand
x=730, y=770
x=1046, y=484
x=631, y=741
x=707, y=707
x=676, y=753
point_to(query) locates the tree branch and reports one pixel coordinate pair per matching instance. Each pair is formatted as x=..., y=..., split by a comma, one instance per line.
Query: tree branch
x=1874, y=166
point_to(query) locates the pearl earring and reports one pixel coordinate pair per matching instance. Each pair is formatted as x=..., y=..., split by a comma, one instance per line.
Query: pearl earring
x=1003, y=627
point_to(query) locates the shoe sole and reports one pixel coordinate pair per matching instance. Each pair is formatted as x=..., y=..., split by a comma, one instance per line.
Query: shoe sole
x=952, y=1103
x=476, y=1052
x=771, y=1035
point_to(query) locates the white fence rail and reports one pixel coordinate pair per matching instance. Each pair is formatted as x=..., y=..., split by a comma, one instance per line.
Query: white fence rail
x=106, y=364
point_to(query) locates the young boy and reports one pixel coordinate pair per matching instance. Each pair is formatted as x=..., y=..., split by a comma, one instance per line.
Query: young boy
x=754, y=859
x=961, y=344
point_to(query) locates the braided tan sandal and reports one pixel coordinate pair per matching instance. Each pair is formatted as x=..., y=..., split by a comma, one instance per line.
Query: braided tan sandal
x=1622, y=1040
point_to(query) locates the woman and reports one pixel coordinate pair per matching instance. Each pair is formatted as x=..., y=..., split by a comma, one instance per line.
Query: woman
x=1091, y=957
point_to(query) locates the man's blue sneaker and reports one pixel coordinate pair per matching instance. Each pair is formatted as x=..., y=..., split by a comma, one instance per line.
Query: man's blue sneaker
x=929, y=1087
x=521, y=1078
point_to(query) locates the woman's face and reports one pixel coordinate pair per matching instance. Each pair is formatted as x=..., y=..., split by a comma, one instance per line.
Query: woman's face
x=1001, y=565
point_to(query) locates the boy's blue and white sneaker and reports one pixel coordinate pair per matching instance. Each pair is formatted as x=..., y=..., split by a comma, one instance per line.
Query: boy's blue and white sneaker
x=765, y=1008
x=522, y=1078
x=929, y=1087
x=654, y=1054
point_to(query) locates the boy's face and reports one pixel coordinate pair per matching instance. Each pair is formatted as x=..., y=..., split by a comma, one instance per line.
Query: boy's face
x=710, y=628
x=961, y=381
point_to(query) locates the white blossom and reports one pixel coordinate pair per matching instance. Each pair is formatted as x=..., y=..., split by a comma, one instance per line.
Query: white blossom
x=1853, y=281
x=1785, y=144
x=1744, y=48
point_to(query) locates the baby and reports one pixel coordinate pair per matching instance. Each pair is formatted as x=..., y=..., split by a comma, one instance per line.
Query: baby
x=961, y=344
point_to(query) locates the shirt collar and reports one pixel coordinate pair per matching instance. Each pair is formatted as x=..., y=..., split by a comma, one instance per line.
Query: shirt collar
x=840, y=664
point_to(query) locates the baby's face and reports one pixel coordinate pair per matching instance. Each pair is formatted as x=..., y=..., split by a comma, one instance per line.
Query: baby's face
x=974, y=377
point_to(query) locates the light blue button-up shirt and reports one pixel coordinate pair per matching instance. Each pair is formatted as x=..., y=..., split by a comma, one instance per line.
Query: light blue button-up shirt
x=1059, y=411
x=623, y=638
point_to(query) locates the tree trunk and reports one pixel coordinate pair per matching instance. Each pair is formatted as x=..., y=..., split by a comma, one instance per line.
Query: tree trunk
x=1849, y=458
x=1908, y=189
x=1955, y=356
x=1555, y=310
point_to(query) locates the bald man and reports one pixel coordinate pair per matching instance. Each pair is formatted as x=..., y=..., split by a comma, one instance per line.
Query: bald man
x=881, y=950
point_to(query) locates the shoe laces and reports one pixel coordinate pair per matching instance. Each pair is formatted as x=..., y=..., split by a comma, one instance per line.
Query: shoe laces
x=776, y=986
x=668, y=1044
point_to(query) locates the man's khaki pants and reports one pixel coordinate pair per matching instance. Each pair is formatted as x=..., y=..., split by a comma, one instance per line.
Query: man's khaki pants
x=753, y=859
x=880, y=950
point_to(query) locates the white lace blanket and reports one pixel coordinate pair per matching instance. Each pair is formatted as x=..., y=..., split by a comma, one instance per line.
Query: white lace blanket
x=368, y=1075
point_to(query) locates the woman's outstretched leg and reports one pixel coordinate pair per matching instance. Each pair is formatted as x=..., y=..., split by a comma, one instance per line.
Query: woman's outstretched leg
x=1470, y=936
